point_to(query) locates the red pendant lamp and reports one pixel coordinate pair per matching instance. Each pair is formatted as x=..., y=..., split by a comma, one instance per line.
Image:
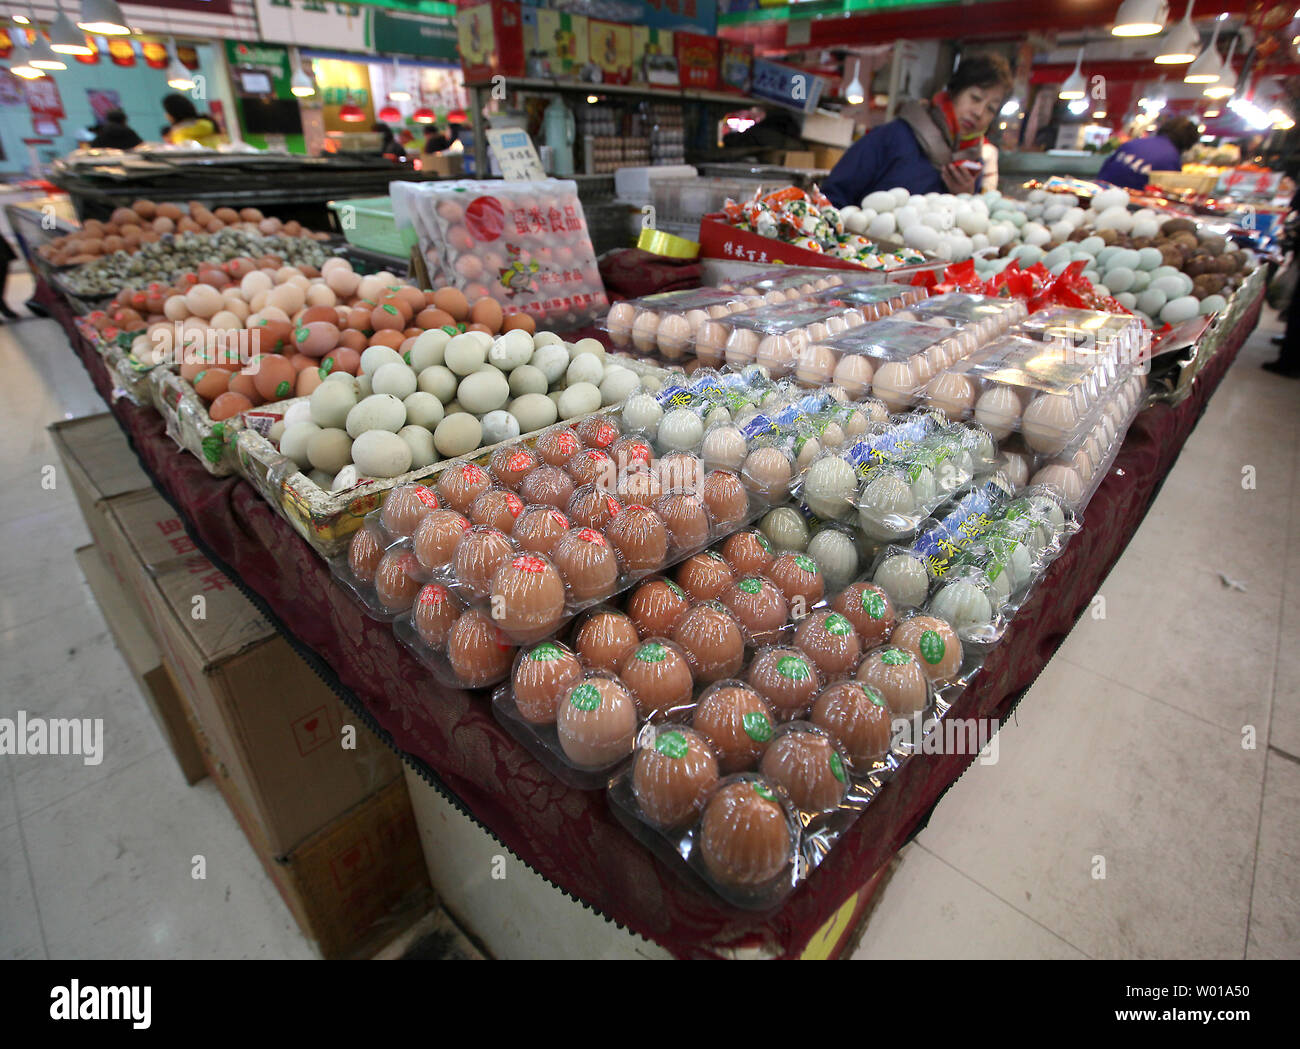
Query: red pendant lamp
x=390, y=114
x=351, y=112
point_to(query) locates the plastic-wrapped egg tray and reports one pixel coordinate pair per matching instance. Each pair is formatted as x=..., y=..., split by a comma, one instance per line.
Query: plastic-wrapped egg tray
x=986, y=316
x=874, y=301
x=803, y=280
x=1116, y=337
x=666, y=324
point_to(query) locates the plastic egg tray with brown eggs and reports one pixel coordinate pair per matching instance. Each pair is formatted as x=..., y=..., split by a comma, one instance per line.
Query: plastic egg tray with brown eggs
x=666, y=324
x=524, y=244
x=886, y=482
x=974, y=566
x=875, y=301
x=986, y=316
x=802, y=280
x=1120, y=340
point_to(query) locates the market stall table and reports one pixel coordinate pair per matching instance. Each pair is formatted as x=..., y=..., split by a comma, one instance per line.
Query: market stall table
x=571, y=837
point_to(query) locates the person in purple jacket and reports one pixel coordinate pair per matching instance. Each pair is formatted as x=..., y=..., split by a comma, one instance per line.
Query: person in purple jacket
x=933, y=146
x=1131, y=165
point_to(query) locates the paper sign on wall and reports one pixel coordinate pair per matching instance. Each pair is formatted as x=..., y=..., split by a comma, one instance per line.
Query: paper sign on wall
x=515, y=154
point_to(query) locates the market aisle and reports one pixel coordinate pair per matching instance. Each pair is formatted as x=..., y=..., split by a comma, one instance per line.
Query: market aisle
x=1126, y=755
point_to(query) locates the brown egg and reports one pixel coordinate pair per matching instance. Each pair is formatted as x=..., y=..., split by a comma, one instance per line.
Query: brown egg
x=412, y=296
x=631, y=453
x=596, y=722
x=658, y=675
x=605, y=639
x=672, y=775
x=592, y=508
x=592, y=466
x=342, y=359
x=737, y=722
x=353, y=340
x=704, y=575
x=479, y=653
x=786, y=678
x=712, y=641
x=273, y=336
x=587, y=563
x=395, y=580
x=488, y=313
x=830, y=641
x=434, y=612
x=274, y=377
x=405, y=508
x=869, y=609
x=805, y=762
x=800, y=580
x=856, y=714
x=434, y=318
x=726, y=499
x=597, y=431
x=681, y=472
x=522, y=321
x=227, y=405
x=436, y=537
x=543, y=674
x=319, y=313
x=359, y=319
x=557, y=446
x=387, y=316
x=171, y=211
x=364, y=552
x=307, y=381
x=452, y=301
x=547, y=484
x=639, y=486
x=122, y=215
x=404, y=308
x=640, y=537
x=897, y=675
x=211, y=383
x=538, y=528
x=146, y=209
x=392, y=339
x=479, y=553
x=758, y=605
x=934, y=644
x=527, y=597
x=511, y=464
x=686, y=518
x=767, y=473
x=498, y=508
x=746, y=838
x=460, y=484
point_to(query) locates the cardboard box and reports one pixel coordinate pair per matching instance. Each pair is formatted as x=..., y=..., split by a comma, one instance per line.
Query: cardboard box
x=697, y=60
x=802, y=158
x=145, y=662
x=827, y=129
x=826, y=156
x=490, y=38
x=445, y=164
x=611, y=49
x=736, y=66
x=355, y=883
x=654, y=57
x=273, y=722
x=558, y=38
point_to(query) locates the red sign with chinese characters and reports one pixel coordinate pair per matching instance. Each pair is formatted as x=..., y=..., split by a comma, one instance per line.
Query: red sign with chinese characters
x=697, y=60
x=43, y=98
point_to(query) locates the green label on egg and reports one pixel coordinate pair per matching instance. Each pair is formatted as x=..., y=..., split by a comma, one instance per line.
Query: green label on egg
x=757, y=727
x=762, y=541
x=895, y=657
x=793, y=668
x=932, y=647
x=837, y=767
x=837, y=625
x=282, y=389
x=651, y=652
x=389, y=308
x=806, y=563
x=672, y=744
x=407, y=356
x=326, y=366
x=762, y=790
x=199, y=378
x=676, y=589
x=874, y=695
x=873, y=604
x=301, y=334
x=546, y=652
x=585, y=697
x=452, y=329
x=750, y=585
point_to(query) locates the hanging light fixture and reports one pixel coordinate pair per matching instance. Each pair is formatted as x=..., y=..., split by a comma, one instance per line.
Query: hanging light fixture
x=397, y=93
x=1140, y=18
x=423, y=115
x=67, y=39
x=1227, y=82
x=1075, y=86
x=390, y=114
x=178, y=76
x=103, y=17
x=19, y=64
x=1208, y=66
x=351, y=112
x=1181, y=43
x=300, y=83
x=853, y=94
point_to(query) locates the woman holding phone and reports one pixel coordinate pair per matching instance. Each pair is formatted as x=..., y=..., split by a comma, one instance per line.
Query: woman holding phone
x=934, y=146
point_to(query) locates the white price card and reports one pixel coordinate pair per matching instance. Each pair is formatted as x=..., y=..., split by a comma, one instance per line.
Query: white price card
x=516, y=155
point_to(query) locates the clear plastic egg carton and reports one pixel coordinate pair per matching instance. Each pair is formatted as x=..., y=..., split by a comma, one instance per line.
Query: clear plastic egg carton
x=987, y=316
x=804, y=281
x=889, y=480
x=891, y=359
x=874, y=301
x=1048, y=394
x=1119, y=338
x=773, y=335
x=667, y=324
x=974, y=566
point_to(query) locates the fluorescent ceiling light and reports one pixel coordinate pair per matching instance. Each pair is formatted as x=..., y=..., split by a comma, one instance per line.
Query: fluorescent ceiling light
x=1140, y=18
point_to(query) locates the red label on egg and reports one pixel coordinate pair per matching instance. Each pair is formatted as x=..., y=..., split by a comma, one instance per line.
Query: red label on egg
x=590, y=535
x=613, y=507
x=559, y=519
x=514, y=504
x=528, y=563
x=639, y=451
x=471, y=473
x=519, y=461
x=432, y=594
x=605, y=434
x=567, y=441
x=426, y=497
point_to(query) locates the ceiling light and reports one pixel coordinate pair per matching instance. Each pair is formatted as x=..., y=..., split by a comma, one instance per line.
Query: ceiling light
x=1010, y=107
x=592, y=100
x=67, y=39
x=39, y=53
x=1208, y=66
x=22, y=20
x=1227, y=82
x=103, y=17
x=1181, y=43
x=301, y=84
x=1140, y=18
x=1099, y=115
x=853, y=94
x=398, y=94
x=351, y=112
x=390, y=115
x=1075, y=86
x=20, y=66
x=1078, y=106
x=425, y=115
x=178, y=76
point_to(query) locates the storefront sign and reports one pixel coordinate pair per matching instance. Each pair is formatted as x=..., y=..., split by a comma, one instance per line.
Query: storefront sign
x=314, y=23
x=413, y=35
x=43, y=98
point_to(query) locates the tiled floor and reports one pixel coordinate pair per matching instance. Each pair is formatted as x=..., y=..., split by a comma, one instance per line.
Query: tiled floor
x=1126, y=754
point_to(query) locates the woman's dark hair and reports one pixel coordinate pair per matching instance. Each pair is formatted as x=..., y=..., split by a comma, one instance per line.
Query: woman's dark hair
x=178, y=107
x=1181, y=132
x=982, y=69
x=114, y=116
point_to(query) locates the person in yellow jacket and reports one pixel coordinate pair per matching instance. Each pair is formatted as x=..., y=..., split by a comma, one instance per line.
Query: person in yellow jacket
x=186, y=124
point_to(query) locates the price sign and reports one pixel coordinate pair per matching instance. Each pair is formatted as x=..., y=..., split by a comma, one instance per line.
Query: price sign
x=516, y=155
x=786, y=85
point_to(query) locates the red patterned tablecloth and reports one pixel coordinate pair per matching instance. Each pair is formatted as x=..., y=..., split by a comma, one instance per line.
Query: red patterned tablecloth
x=569, y=836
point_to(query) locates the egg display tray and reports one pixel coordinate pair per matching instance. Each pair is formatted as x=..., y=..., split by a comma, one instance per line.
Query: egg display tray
x=130, y=378
x=190, y=425
x=988, y=316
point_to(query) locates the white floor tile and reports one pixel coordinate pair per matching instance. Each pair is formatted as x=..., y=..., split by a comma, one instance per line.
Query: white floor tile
x=20, y=922
x=1275, y=896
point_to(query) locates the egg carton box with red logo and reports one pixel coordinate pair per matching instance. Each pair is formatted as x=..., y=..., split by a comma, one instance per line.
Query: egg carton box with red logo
x=524, y=244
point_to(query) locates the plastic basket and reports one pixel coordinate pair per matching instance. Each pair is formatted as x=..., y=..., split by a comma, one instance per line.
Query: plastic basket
x=367, y=222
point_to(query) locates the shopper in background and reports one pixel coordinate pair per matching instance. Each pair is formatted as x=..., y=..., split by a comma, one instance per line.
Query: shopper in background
x=434, y=139
x=186, y=124
x=7, y=255
x=933, y=147
x=1288, y=360
x=115, y=133
x=389, y=147
x=1130, y=165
